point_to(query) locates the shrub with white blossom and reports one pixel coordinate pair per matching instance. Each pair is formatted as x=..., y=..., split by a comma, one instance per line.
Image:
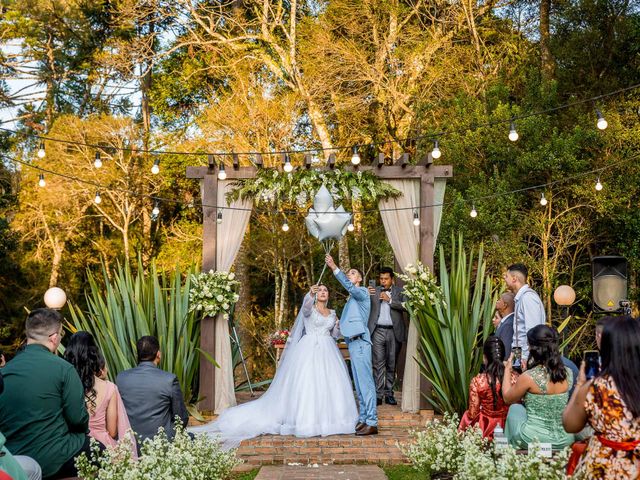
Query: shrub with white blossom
x=213, y=292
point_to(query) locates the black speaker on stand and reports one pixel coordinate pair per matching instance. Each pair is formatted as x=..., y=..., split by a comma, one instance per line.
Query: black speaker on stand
x=609, y=277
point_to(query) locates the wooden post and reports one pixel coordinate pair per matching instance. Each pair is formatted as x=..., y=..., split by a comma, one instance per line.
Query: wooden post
x=207, y=329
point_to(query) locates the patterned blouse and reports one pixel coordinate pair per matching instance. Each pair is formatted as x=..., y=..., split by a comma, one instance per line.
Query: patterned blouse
x=609, y=417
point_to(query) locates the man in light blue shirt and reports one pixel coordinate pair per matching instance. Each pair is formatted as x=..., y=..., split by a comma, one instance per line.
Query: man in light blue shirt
x=529, y=310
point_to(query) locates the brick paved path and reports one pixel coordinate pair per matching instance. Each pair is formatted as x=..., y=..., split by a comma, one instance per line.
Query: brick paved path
x=322, y=472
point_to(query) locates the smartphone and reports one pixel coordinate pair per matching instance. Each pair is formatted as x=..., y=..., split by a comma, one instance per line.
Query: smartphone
x=591, y=363
x=372, y=284
x=517, y=357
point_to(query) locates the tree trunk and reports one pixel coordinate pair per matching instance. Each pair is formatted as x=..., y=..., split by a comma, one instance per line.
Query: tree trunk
x=546, y=58
x=343, y=254
x=58, y=249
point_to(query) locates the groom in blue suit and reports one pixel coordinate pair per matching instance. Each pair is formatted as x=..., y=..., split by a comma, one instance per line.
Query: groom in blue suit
x=353, y=326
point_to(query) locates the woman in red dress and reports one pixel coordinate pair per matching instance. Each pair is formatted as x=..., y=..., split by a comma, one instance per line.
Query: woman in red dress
x=486, y=406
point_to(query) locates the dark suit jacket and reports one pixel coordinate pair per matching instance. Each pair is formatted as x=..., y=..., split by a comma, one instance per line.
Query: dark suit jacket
x=397, y=311
x=152, y=398
x=505, y=332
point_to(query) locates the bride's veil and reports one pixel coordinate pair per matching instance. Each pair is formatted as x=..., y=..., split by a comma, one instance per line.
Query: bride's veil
x=297, y=331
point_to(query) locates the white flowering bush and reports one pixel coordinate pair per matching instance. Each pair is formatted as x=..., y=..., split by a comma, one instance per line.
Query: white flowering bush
x=421, y=286
x=440, y=450
x=161, y=459
x=213, y=292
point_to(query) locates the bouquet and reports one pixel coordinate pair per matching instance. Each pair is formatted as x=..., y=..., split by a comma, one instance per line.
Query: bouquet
x=279, y=337
x=213, y=292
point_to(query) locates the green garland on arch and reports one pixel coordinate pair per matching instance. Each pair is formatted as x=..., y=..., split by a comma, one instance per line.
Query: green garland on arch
x=275, y=188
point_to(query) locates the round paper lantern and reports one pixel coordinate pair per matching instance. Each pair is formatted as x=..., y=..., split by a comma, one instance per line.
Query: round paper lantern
x=55, y=298
x=564, y=295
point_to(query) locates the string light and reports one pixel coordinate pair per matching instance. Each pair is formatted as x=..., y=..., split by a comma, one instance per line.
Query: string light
x=287, y=168
x=41, y=152
x=285, y=226
x=350, y=227
x=513, y=133
x=543, y=201
x=156, y=167
x=98, y=161
x=436, y=153
x=598, y=185
x=98, y=198
x=416, y=217
x=474, y=212
x=156, y=209
x=602, y=122
x=41, y=181
x=222, y=175
x=219, y=218
x=355, y=158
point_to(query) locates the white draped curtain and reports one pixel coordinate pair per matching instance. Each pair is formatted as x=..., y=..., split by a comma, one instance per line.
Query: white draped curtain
x=404, y=238
x=230, y=234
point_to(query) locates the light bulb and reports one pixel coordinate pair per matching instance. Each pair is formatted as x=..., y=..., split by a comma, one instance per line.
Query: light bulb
x=598, y=185
x=98, y=198
x=350, y=227
x=602, y=122
x=355, y=158
x=219, y=218
x=513, y=134
x=543, y=201
x=41, y=181
x=222, y=175
x=287, y=168
x=416, y=218
x=436, y=153
x=156, y=210
x=98, y=161
x=285, y=226
x=474, y=212
x=41, y=152
x=156, y=167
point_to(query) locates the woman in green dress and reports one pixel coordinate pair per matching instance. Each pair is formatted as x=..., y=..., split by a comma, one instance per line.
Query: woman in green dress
x=544, y=390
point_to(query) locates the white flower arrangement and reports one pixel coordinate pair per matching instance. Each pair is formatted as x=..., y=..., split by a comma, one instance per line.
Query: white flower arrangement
x=184, y=458
x=420, y=285
x=213, y=292
x=441, y=450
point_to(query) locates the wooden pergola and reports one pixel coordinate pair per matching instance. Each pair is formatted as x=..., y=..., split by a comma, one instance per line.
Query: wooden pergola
x=401, y=169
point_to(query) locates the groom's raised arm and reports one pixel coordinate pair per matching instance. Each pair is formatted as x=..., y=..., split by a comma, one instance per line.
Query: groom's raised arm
x=358, y=293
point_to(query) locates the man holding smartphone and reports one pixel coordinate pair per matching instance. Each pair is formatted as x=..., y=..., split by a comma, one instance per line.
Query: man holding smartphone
x=388, y=331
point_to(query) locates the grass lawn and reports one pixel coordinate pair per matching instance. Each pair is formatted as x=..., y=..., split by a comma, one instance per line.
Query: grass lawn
x=402, y=472
x=245, y=475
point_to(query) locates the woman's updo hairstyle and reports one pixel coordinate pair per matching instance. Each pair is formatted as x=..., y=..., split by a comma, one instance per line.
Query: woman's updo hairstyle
x=544, y=351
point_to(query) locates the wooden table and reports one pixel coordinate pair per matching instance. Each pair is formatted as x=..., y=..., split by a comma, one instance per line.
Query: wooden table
x=344, y=350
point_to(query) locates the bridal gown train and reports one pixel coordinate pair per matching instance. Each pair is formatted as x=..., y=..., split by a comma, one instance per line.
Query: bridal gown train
x=310, y=395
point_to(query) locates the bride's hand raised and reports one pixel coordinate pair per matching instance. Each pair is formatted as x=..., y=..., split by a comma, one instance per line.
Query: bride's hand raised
x=314, y=289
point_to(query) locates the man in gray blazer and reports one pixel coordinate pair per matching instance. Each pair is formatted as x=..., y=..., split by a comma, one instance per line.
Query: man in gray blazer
x=503, y=320
x=388, y=331
x=151, y=396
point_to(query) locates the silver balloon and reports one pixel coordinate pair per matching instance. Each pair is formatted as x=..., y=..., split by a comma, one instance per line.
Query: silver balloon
x=323, y=200
x=311, y=225
x=333, y=224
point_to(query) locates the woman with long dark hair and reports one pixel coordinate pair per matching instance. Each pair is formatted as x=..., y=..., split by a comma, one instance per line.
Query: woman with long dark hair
x=486, y=406
x=544, y=389
x=108, y=421
x=610, y=403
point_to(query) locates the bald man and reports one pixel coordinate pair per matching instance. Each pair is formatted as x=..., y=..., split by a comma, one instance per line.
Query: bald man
x=503, y=320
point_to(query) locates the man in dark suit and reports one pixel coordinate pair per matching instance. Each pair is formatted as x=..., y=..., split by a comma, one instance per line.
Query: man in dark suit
x=503, y=320
x=151, y=396
x=388, y=331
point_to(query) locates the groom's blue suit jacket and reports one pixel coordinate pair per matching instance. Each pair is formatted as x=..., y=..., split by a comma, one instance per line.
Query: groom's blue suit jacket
x=355, y=313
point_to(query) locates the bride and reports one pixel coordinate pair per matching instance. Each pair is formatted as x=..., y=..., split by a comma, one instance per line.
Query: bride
x=311, y=392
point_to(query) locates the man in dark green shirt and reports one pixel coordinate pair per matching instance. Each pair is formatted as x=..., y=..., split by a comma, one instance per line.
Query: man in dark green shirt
x=42, y=409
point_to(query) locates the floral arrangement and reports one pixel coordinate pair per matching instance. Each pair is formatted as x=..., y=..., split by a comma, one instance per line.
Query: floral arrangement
x=279, y=337
x=183, y=458
x=441, y=450
x=298, y=188
x=420, y=285
x=213, y=292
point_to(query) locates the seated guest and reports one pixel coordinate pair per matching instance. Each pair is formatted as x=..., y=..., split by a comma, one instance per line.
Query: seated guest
x=610, y=403
x=42, y=410
x=108, y=421
x=544, y=388
x=486, y=406
x=151, y=396
x=503, y=320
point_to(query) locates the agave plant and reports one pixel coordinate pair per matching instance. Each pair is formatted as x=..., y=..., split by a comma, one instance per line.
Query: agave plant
x=453, y=328
x=123, y=306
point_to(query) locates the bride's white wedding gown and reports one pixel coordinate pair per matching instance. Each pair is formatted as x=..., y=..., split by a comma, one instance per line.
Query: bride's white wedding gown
x=310, y=395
